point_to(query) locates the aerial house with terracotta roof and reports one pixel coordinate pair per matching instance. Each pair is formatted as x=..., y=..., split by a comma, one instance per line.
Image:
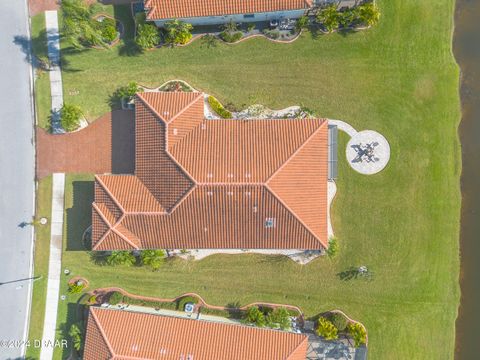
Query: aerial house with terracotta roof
x=215, y=185
x=214, y=12
x=119, y=334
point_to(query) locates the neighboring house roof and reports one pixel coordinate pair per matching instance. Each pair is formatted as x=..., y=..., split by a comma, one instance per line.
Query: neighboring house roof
x=168, y=9
x=119, y=334
x=215, y=184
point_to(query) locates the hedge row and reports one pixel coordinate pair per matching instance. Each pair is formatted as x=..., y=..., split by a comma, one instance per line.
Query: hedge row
x=218, y=108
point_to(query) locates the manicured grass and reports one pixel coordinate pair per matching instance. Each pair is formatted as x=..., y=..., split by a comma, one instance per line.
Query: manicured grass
x=398, y=78
x=42, y=243
x=42, y=82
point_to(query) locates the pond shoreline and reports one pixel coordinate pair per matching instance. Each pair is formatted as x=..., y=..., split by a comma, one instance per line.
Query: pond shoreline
x=467, y=53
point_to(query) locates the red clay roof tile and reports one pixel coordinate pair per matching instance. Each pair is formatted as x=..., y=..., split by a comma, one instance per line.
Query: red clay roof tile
x=121, y=334
x=242, y=184
x=168, y=9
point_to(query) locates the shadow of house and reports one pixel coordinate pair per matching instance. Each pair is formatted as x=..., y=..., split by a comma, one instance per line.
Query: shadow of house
x=123, y=142
x=79, y=216
x=75, y=315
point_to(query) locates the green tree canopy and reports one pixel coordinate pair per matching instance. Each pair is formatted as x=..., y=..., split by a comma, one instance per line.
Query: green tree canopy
x=329, y=17
x=326, y=329
x=255, y=316
x=70, y=117
x=78, y=25
x=178, y=32
x=153, y=258
x=147, y=36
x=368, y=13
x=121, y=258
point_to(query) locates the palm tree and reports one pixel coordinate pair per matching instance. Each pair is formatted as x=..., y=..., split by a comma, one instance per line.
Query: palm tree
x=178, y=32
x=121, y=258
x=329, y=17
x=368, y=13
x=79, y=27
x=153, y=258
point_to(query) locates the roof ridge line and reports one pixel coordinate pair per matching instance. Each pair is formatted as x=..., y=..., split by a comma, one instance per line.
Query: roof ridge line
x=228, y=184
x=115, y=200
x=295, y=215
x=99, y=212
x=102, y=331
x=324, y=121
x=187, y=194
x=200, y=95
x=151, y=108
x=114, y=229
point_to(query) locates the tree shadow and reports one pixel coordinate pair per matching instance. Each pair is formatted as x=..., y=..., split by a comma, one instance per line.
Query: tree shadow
x=123, y=142
x=233, y=309
x=122, y=12
x=76, y=314
x=79, y=216
x=350, y=274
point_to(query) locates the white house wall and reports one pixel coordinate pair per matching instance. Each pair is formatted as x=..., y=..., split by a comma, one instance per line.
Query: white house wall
x=215, y=20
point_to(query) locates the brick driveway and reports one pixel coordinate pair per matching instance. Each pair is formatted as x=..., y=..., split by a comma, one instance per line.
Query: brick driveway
x=105, y=146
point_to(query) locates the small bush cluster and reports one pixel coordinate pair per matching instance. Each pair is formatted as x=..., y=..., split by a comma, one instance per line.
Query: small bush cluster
x=231, y=37
x=76, y=287
x=365, y=14
x=177, y=32
x=115, y=298
x=70, y=117
x=75, y=333
x=278, y=318
x=326, y=329
x=358, y=333
x=147, y=36
x=274, y=34
x=339, y=321
x=332, y=249
x=108, y=29
x=218, y=108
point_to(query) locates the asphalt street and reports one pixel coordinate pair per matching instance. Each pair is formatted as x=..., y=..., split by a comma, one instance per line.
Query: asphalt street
x=16, y=178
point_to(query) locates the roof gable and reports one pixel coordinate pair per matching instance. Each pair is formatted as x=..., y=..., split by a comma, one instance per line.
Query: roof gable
x=167, y=9
x=148, y=336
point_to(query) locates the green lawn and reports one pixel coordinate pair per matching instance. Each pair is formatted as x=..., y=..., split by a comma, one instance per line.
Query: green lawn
x=399, y=79
x=42, y=243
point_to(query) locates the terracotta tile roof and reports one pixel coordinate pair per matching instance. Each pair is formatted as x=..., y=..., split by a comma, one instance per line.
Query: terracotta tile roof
x=254, y=184
x=117, y=334
x=168, y=9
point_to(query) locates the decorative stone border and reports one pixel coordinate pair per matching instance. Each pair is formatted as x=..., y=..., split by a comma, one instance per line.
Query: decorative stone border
x=203, y=303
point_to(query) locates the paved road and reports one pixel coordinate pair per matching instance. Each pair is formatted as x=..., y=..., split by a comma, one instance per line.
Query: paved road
x=16, y=175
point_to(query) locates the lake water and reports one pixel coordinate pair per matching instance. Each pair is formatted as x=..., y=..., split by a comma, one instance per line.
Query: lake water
x=467, y=52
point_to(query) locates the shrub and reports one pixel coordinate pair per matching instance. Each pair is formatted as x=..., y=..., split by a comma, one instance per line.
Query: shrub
x=152, y=258
x=92, y=299
x=250, y=27
x=78, y=25
x=274, y=34
x=115, y=298
x=230, y=37
x=128, y=91
x=109, y=30
x=70, y=117
x=368, y=13
x=184, y=300
x=147, y=36
x=218, y=108
x=255, y=316
x=302, y=23
x=329, y=17
x=121, y=258
x=358, y=333
x=75, y=334
x=76, y=287
x=339, y=320
x=332, y=249
x=326, y=329
x=279, y=318
x=178, y=32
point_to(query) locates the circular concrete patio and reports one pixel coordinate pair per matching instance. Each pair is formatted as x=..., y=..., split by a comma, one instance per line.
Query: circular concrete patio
x=368, y=152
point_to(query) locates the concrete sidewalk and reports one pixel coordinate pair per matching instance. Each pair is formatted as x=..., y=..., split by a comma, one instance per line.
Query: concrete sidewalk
x=55, y=73
x=54, y=265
